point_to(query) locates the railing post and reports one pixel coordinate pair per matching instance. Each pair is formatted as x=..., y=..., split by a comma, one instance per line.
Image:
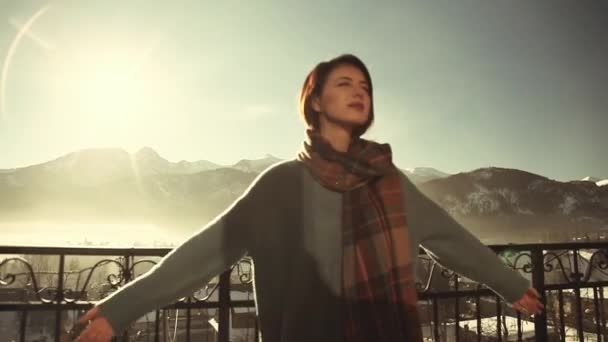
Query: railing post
x=498, y=319
x=22, y=325
x=457, y=309
x=538, y=282
x=224, y=310
x=127, y=278
x=59, y=298
x=577, y=296
x=188, y=319
x=602, y=315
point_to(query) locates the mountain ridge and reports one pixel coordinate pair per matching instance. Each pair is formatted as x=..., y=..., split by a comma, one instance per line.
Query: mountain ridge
x=111, y=184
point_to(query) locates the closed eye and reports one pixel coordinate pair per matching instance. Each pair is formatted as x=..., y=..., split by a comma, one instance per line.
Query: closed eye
x=341, y=84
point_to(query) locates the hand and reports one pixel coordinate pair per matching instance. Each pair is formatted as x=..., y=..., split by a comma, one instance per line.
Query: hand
x=98, y=330
x=529, y=302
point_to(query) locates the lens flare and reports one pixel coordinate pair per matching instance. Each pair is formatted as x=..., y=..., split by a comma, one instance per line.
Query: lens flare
x=11, y=51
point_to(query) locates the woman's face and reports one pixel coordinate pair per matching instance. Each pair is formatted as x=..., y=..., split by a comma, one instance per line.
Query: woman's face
x=345, y=99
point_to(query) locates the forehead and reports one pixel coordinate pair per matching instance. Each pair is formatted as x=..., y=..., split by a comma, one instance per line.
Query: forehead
x=347, y=70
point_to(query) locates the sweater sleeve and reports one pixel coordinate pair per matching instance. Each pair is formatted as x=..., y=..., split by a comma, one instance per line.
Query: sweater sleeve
x=454, y=247
x=207, y=253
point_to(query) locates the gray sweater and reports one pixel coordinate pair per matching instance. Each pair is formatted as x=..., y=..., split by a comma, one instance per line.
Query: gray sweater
x=290, y=225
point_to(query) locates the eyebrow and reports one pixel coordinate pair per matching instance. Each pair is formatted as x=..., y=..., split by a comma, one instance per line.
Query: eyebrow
x=350, y=79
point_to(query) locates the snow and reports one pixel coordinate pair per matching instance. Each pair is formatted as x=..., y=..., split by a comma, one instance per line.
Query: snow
x=488, y=328
x=596, y=180
x=537, y=184
x=568, y=205
x=480, y=201
x=427, y=172
x=485, y=174
x=509, y=195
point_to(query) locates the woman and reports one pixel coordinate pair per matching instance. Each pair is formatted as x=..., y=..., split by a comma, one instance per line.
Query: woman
x=334, y=235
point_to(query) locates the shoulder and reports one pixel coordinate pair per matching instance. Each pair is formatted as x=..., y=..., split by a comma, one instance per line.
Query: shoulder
x=278, y=174
x=281, y=169
x=282, y=166
x=406, y=183
x=414, y=196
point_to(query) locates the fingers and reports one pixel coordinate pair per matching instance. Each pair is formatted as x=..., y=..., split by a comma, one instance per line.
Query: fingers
x=533, y=306
x=528, y=306
x=540, y=304
x=533, y=301
x=89, y=315
x=94, y=333
x=97, y=329
x=536, y=304
x=532, y=291
x=520, y=308
x=87, y=335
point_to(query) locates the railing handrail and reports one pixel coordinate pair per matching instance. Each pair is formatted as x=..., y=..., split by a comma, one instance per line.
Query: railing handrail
x=160, y=251
x=534, y=251
x=84, y=250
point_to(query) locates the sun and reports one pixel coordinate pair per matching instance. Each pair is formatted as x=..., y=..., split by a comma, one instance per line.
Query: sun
x=98, y=86
x=104, y=96
x=112, y=91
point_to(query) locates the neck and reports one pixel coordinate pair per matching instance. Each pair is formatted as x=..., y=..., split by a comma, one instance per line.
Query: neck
x=338, y=137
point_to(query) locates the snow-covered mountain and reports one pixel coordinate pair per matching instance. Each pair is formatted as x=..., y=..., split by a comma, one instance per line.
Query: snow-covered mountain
x=95, y=166
x=104, y=183
x=256, y=165
x=596, y=180
x=110, y=182
x=91, y=167
x=500, y=191
x=423, y=174
x=150, y=160
x=501, y=199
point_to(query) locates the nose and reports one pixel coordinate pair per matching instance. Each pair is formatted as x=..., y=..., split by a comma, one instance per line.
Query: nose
x=360, y=93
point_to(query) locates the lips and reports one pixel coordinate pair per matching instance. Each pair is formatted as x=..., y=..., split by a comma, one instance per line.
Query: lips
x=358, y=106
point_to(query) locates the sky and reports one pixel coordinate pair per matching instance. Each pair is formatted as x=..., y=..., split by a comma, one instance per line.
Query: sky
x=458, y=85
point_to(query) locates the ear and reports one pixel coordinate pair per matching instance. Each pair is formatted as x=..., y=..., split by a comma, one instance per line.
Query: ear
x=315, y=104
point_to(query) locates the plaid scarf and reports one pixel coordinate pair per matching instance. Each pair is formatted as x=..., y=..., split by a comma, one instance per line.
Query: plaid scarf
x=379, y=296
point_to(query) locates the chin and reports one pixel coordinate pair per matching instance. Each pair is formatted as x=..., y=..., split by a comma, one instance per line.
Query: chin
x=355, y=122
x=351, y=120
x=355, y=119
x=354, y=125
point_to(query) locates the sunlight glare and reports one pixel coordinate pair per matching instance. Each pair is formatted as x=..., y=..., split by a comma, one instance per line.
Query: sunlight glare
x=9, y=55
x=110, y=90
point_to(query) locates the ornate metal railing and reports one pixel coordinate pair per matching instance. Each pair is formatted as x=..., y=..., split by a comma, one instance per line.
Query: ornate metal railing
x=51, y=280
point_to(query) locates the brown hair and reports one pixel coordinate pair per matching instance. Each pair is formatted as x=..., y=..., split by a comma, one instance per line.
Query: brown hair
x=314, y=83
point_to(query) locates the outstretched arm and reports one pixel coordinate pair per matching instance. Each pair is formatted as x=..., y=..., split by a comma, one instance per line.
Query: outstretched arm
x=207, y=253
x=454, y=247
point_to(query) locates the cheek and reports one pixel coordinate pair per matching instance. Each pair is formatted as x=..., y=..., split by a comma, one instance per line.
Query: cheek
x=332, y=99
x=331, y=102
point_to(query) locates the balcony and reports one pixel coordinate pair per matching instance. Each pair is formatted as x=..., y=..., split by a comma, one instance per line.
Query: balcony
x=43, y=291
